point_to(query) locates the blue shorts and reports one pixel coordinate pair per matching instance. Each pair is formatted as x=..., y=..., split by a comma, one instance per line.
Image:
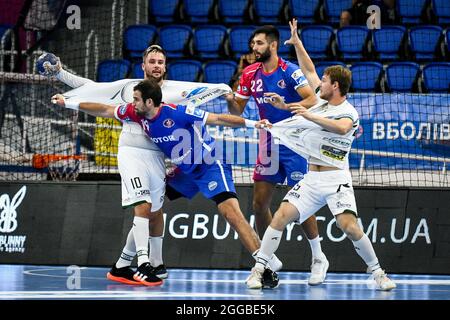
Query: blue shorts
x=209, y=179
x=290, y=166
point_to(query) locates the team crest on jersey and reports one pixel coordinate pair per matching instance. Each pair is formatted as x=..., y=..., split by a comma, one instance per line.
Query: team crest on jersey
x=296, y=176
x=212, y=185
x=281, y=84
x=296, y=75
x=168, y=123
x=259, y=168
x=122, y=110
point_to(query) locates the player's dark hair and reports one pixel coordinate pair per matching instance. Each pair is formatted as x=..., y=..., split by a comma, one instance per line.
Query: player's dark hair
x=154, y=48
x=150, y=89
x=341, y=75
x=271, y=32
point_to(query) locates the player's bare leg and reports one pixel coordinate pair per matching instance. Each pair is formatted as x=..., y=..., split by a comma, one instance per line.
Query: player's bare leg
x=347, y=222
x=155, y=242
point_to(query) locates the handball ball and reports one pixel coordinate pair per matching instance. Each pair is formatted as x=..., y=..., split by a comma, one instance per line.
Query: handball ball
x=47, y=64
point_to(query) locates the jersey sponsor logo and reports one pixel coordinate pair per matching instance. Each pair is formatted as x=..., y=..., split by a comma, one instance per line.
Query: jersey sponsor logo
x=341, y=205
x=212, y=185
x=338, y=142
x=333, y=153
x=293, y=194
x=195, y=112
x=168, y=123
x=281, y=84
x=188, y=94
x=296, y=175
x=296, y=74
x=122, y=109
x=163, y=139
x=261, y=100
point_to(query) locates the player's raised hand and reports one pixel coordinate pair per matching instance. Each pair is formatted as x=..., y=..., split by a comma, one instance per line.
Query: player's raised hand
x=275, y=100
x=264, y=123
x=294, y=39
x=300, y=110
x=59, y=100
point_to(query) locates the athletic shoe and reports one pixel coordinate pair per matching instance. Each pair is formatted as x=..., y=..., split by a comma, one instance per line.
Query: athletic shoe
x=122, y=275
x=160, y=271
x=145, y=275
x=382, y=280
x=319, y=268
x=255, y=279
x=270, y=279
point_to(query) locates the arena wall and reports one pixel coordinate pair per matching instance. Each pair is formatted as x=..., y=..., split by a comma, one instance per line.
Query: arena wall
x=82, y=223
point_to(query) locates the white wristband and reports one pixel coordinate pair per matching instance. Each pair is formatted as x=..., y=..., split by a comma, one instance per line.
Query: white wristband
x=72, y=104
x=250, y=123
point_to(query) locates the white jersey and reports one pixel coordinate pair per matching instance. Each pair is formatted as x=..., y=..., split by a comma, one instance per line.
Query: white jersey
x=316, y=145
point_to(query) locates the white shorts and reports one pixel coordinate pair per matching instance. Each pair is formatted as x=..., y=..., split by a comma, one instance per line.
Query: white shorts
x=143, y=175
x=320, y=188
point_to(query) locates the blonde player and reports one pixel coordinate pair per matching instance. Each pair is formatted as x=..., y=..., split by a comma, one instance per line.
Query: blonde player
x=324, y=183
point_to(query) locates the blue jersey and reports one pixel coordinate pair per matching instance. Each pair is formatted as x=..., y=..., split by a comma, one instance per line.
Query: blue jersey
x=284, y=80
x=179, y=132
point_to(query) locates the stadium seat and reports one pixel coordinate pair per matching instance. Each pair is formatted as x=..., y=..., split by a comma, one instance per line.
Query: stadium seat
x=424, y=41
x=219, y=71
x=198, y=10
x=334, y=8
x=184, y=70
x=209, y=40
x=366, y=75
x=303, y=10
x=387, y=41
x=351, y=41
x=410, y=11
x=239, y=39
x=401, y=76
x=441, y=9
x=174, y=39
x=284, y=51
x=163, y=11
x=268, y=11
x=436, y=77
x=112, y=70
x=322, y=65
x=316, y=39
x=136, y=71
x=137, y=38
x=232, y=11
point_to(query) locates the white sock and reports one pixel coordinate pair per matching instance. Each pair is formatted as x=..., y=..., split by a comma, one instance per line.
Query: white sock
x=140, y=231
x=365, y=250
x=316, y=248
x=270, y=242
x=156, y=251
x=128, y=252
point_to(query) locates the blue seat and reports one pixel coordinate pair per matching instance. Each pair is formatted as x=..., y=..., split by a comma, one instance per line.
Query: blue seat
x=441, y=9
x=447, y=38
x=436, y=77
x=209, y=40
x=163, y=11
x=424, y=40
x=112, y=70
x=303, y=10
x=219, y=71
x=137, y=38
x=366, y=75
x=232, y=11
x=239, y=38
x=316, y=39
x=174, y=39
x=268, y=11
x=284, y=51
x=198, y=10
x=136, y=71
x=401, y=76
x=322, y=65
x=334, y=8
x=184, y=70
x=387, y=41
x=410, y=11
x=351, y=41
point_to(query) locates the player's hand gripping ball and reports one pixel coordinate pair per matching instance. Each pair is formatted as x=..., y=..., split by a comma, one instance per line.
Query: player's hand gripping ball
x=48, y=65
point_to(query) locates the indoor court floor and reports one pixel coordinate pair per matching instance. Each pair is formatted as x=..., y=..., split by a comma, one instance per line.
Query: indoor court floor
x=23, y=282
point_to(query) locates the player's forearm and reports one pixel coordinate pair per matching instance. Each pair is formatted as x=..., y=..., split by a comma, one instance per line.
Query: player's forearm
x=234, y=108
x=71, y=80
x=228, y=120
x=331, y=125
x=97, y=109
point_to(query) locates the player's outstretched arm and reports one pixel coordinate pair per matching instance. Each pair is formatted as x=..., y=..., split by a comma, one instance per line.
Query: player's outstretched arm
x=228, y=120
x=305, y=62
x=339, y=126
x=94, y=109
